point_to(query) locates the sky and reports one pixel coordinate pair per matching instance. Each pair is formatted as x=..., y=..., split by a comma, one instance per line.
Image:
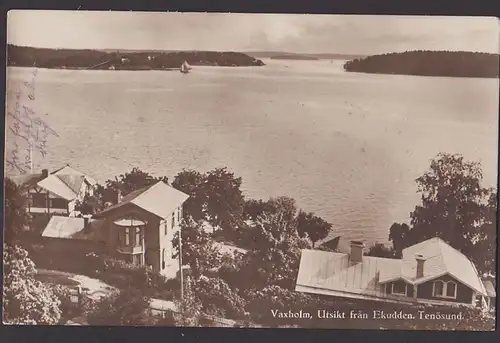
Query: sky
x=306, y=33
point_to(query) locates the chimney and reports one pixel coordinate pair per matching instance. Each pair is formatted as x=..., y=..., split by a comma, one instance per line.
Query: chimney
x=356, y=254
x=119, y=196
x=420, y=265
x=45, y=173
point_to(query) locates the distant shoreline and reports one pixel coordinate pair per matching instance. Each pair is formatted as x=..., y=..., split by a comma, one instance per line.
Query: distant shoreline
x=18, y=56
x=429, y=63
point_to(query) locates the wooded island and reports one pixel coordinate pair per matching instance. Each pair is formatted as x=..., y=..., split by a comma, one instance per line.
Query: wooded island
x=429, y=63
x=20, y=56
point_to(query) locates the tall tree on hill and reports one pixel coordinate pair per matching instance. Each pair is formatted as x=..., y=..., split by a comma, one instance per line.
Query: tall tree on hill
x=455, y=207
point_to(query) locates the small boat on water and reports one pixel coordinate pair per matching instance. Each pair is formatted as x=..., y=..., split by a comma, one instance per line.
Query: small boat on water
x=185, y=68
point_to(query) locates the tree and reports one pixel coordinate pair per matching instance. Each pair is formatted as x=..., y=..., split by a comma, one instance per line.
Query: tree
x=398, y=235
x=125, y=184
x=198, y=248
x=218, y=299
x=455, y=207
x=313, y=226
x=127, y=307
x=277, y=246
x=253, y=208
x=224, y=199
x=26, y=300
x=452, y=195
x=192, y=183
x=17, y=219
x=380, y=250
x=214, y=196
x=485, y=247
x=189, y=308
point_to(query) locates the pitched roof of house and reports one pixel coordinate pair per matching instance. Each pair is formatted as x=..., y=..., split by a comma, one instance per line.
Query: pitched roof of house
x=55, y=185
x=70, y=172
x=159, y=199
x=65, y=182
x=333, y=271
x=440, y=259
x=73, y=228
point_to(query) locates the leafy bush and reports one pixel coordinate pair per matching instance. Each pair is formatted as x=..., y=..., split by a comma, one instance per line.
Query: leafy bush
x=218, y=299
x=26, y=300
x=128, y=307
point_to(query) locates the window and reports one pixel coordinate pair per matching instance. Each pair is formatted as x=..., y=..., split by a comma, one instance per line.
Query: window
x=165, y=224
x=127, y=236
x=438, y=289
x=173, y=220
x=138, y=240
x=179, y=215
x=163, y=258
x=451, y=289
x=39, y=199
x=58, y=203
x=399, y=287
x=443, y=289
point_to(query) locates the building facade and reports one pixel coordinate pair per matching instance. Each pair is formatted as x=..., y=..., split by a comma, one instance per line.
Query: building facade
x=140, y=228
x=430, y=272
x=55, y=193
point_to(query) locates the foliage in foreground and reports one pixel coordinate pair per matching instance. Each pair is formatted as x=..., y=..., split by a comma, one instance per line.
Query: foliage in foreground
x=127, y=307
x=26, y=300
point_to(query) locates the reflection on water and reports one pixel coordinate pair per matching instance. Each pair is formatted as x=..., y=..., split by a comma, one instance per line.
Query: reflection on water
x=346, y=146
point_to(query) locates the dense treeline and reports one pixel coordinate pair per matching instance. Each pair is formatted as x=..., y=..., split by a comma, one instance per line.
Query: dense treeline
x=429, y=63
x=65, y=58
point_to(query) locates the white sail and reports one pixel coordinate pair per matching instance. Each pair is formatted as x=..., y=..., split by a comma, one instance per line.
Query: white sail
x=185, y=67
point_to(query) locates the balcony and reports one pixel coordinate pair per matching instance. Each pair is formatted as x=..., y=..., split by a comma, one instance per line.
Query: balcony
x=135, y=249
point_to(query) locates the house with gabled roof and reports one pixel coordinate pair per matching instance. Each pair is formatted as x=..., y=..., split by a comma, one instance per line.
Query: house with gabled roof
x=430, y=272
x=56, y=192
x=139, y=229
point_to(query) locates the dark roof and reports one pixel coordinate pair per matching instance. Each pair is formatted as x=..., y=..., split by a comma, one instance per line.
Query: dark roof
x=125, y=200
x=27, y=180
x=74, y=182
x=332, y=243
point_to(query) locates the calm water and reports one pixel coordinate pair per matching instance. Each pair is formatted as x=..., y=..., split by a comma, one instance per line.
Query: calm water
x=346, y=146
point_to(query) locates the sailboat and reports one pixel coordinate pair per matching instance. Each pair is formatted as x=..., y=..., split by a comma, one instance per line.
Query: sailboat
x=185, y=68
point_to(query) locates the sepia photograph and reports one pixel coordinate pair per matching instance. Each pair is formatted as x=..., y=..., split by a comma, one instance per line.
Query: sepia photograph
x=251, y=170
